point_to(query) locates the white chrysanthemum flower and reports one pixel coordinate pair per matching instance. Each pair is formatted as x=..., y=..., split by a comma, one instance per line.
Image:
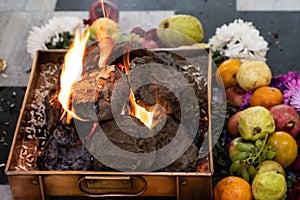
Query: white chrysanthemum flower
x=40, y=36
x=239, y=40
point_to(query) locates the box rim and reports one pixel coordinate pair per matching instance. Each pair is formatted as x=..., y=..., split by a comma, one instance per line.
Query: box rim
x=80, y=172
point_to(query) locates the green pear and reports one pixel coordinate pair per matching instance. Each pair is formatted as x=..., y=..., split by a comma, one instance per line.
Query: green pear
x=180, y=30
x=270, y=165
x=255, y=123
x=269, y=186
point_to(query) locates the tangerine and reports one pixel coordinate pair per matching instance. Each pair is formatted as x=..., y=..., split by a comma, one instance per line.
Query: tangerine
x=285, y=146
x=267, y=97
x=227, y=72
x=232, y=188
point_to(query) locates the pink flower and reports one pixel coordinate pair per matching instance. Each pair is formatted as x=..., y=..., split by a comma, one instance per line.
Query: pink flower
x=291, y=94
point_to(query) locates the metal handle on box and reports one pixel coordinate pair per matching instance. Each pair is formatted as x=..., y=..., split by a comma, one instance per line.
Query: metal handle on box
x=104, y=186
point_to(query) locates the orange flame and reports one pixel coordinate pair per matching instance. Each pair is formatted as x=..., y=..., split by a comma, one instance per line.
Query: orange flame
x=103, y=8
x=105, y=40
x=71, y=72
x=141, y=113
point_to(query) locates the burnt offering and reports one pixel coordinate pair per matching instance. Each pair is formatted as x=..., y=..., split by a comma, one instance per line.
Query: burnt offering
x=110, y=103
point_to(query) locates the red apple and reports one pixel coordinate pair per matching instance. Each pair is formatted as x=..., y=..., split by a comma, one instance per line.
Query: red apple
x=148, y=43
x=232, y=125
x=296, y=164
x=139, y=31
x=235, y=95
x=286, y=119
x=232, y=151
x=96, y=11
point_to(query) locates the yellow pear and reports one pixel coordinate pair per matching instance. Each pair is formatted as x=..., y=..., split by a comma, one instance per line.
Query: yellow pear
x=180, y=30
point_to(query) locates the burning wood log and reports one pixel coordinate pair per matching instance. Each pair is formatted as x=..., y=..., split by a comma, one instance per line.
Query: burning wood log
x=92, y=95
x=154, y=142
x=92, y=98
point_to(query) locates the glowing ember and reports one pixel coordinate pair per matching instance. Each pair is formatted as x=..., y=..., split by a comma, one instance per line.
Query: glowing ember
x=71, y=71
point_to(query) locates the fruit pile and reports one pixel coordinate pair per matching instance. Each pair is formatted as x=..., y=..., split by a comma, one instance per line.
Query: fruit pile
x=262, y=132
x=174, y=31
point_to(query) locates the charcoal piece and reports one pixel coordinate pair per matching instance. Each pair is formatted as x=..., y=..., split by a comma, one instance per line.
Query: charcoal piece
x=58, y=157
x=91, y=96
x=64, y=149
x=66, y=134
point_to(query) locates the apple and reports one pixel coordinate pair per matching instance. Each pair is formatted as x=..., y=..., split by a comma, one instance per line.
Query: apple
x=286, y=119
x=232, y=125
x=147, y=39
x=296, y=164
x=111, y=11
x=232, y=151
x=147, y=43
x=139, y=31
x=235, y=95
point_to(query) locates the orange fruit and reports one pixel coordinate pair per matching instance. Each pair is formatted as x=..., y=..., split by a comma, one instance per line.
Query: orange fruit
x=232, y=188
x=226, y=72
x=285, y=146
x=267, y=97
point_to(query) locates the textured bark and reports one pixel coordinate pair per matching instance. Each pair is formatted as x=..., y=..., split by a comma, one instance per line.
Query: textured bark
x=94, y=98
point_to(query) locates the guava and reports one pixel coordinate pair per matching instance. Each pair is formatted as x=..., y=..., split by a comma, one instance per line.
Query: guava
x=269, y=186
x=253, y=74
x=255, y=123
x=180, y=30
x=270, y=165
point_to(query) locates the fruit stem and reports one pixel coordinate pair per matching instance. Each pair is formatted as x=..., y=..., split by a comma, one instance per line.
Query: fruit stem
x=259, y=152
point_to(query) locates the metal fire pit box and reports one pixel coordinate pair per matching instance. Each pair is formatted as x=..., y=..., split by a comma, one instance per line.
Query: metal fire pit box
x=32, y=183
